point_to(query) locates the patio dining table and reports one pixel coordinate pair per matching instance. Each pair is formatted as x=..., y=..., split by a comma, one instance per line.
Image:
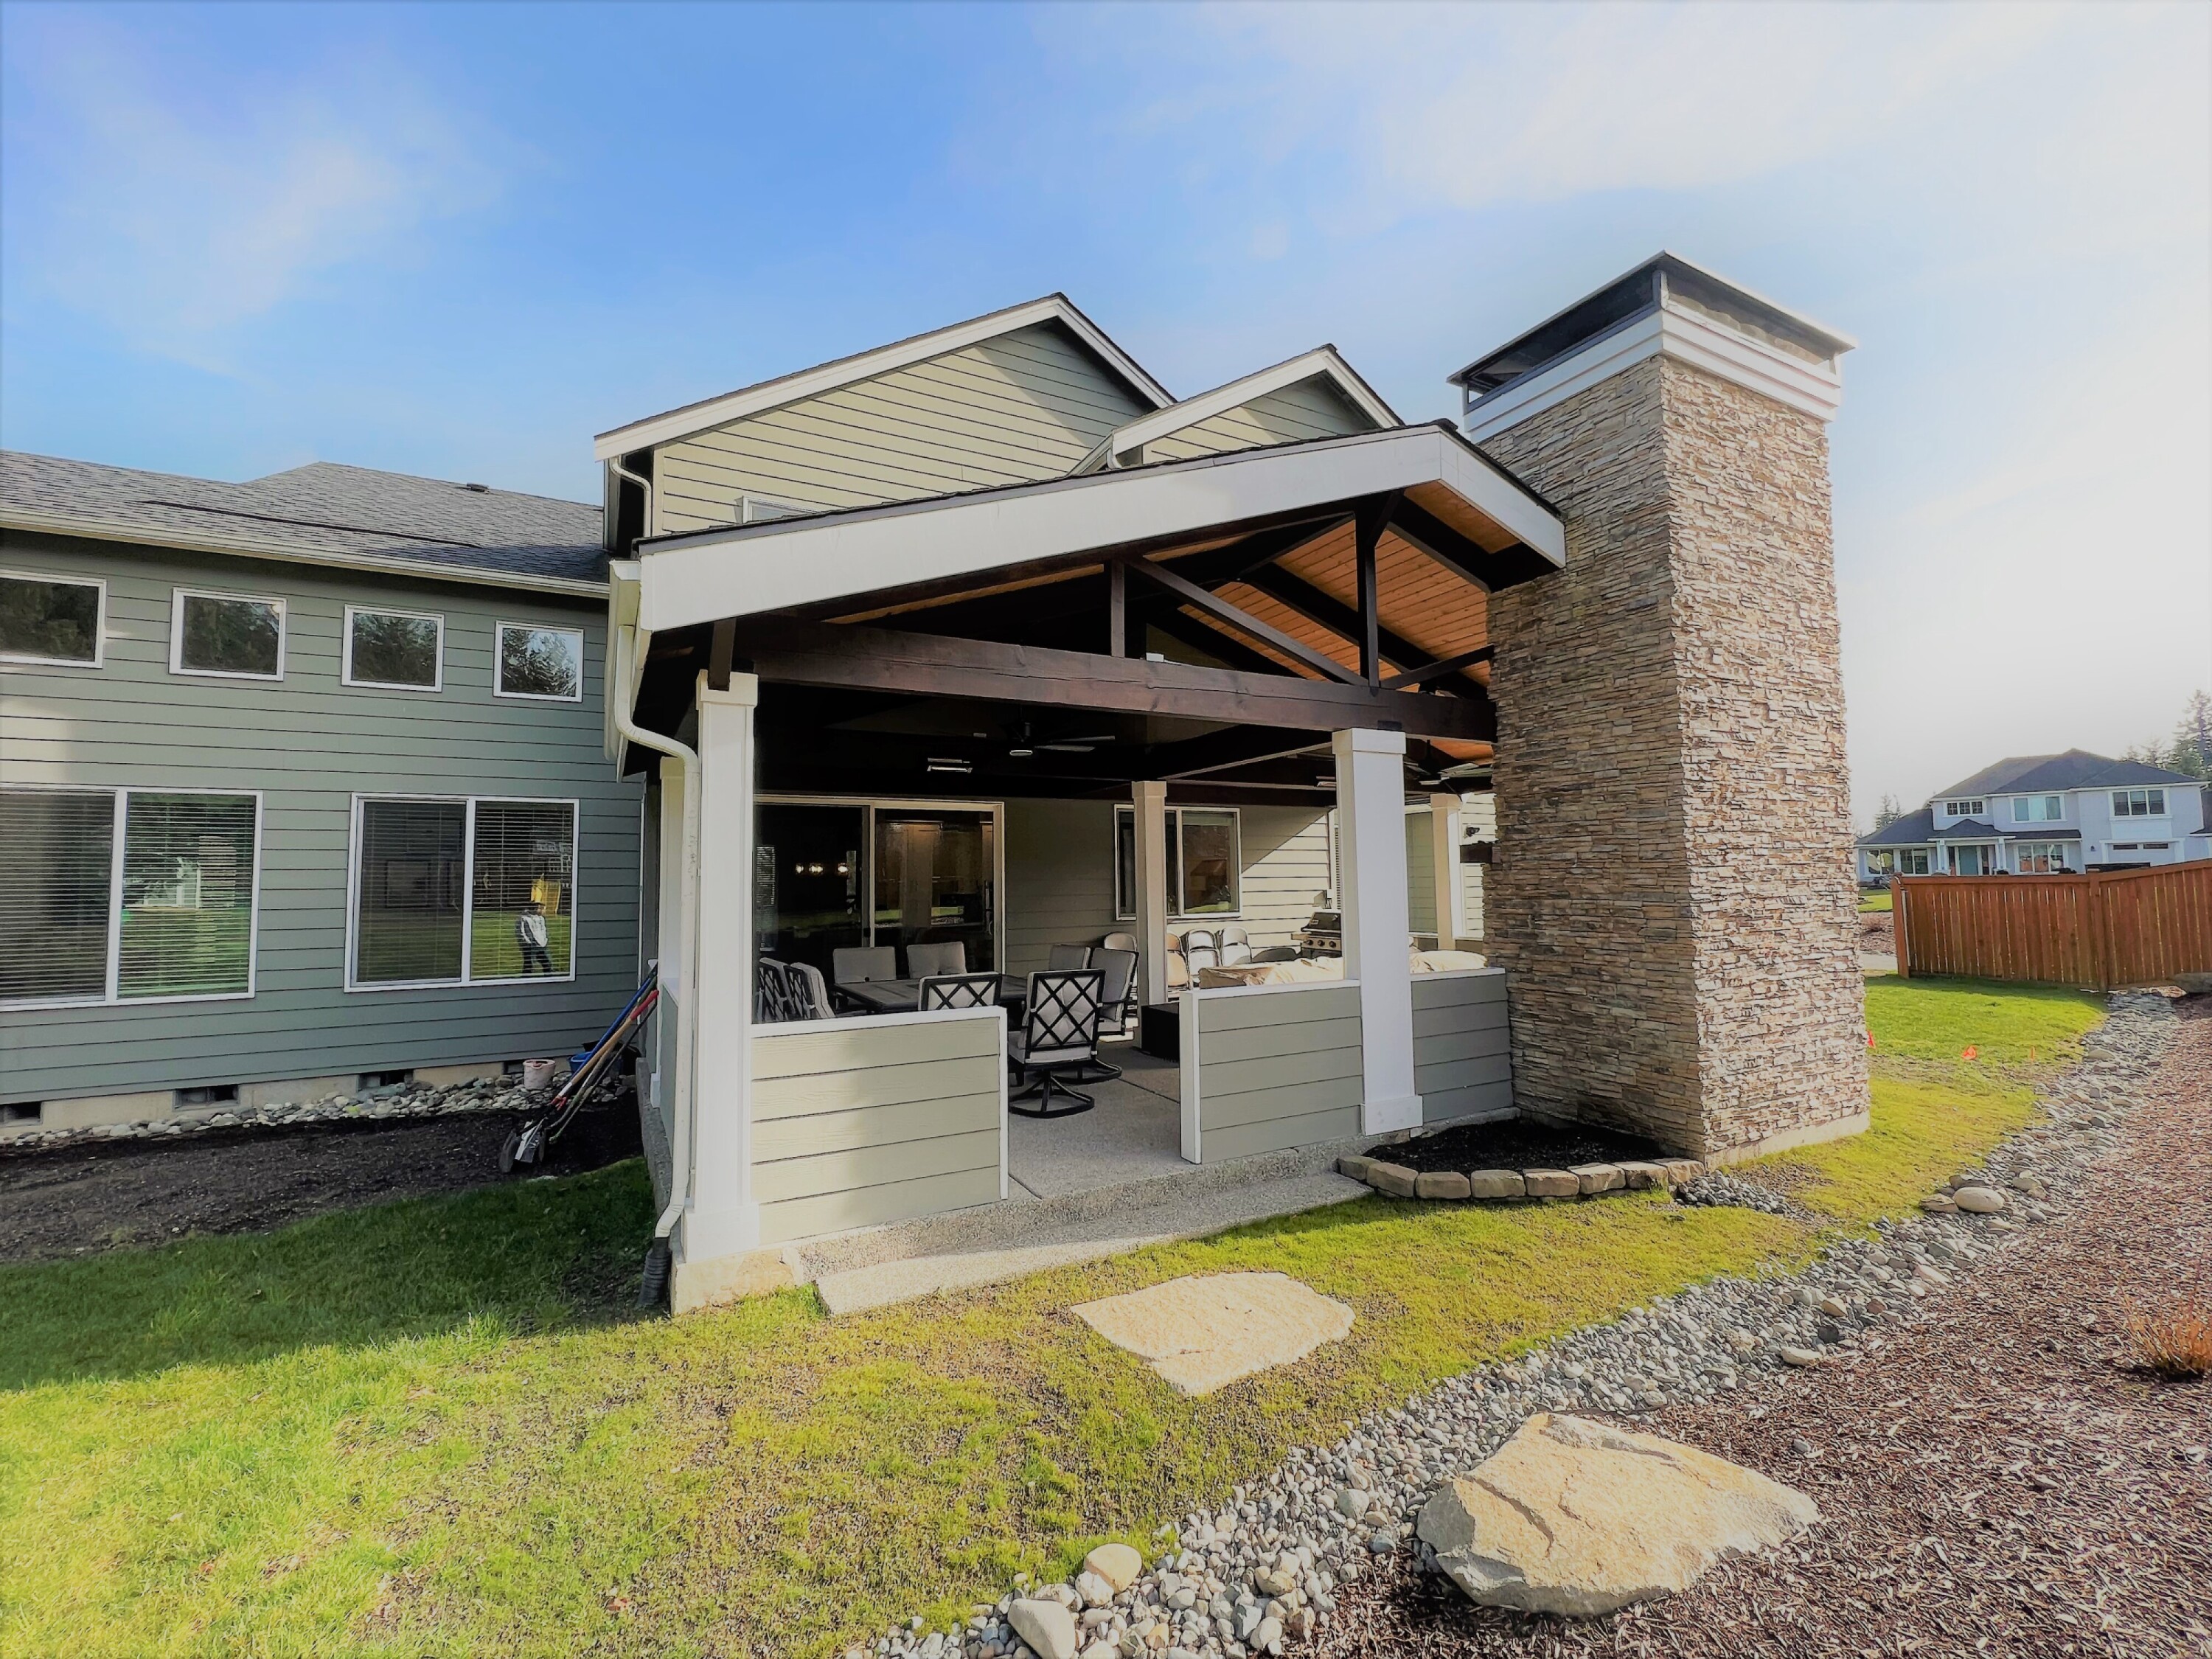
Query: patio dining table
x=904, y=996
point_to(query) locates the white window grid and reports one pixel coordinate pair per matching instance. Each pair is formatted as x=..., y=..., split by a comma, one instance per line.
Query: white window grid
x=498, y=657
x=2139, y=803
x=99, y=620
x=1176, y=912
x=117, y=854
x=177, y=633
x=468, y=892
x=1973, y=808
x=2039, y=809
x=346, y=674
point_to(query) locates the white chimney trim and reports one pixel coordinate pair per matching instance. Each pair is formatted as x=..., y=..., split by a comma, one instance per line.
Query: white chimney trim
x=1814, y=388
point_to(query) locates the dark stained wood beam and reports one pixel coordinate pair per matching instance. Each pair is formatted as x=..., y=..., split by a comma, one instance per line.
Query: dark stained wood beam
x=1368, y=522
x=1201, y=635
x=1243, y=621
x=1325, y=611
x=1235, y=745
x=784, y=649
x=1432, y=671
x=1430, y=535
x=721, y=654
x=1117, y=611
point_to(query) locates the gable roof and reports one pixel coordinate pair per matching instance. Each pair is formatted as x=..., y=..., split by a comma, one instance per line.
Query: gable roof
x=1322, y=362
x=323, y=513
x=882, y=360
x=2077, y=768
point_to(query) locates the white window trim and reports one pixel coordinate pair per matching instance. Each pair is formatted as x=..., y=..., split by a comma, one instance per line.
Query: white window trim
x=177, y=633
x=99, y=620
x=1176, y=912
x=2021, y=804
x=2145, y=790
x=112, y=997
x=1974, y=806
x=499, y=656
x=468, y=891
x=346, y=674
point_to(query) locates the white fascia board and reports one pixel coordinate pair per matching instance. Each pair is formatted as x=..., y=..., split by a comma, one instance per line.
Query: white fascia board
x=247, y=547
x=828, y=377
x=772, y=567
x=1322, y=362
x=1815, y=389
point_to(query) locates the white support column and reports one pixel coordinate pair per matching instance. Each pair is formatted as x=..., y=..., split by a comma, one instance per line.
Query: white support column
x=1151, y=804
x=1451, y=891
x=1370, y=810
x=723, y=1219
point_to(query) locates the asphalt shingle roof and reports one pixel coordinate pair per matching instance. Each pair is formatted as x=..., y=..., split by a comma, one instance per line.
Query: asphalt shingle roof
x=2077, y=768
x=324, y=508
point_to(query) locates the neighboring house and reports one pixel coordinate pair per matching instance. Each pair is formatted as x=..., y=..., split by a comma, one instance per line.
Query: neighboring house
x=2045, y=815
x=282, y=766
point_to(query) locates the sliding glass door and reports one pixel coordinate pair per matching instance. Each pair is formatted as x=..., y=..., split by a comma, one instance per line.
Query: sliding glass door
x=808, y=882
x=829, y=874
x=935, y=880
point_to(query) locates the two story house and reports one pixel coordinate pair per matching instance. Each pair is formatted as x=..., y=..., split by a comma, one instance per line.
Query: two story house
x=2045, y=815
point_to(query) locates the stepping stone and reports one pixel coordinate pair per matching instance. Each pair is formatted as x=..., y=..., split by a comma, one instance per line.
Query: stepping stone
x=1580, y=1518
x=1203, y=1332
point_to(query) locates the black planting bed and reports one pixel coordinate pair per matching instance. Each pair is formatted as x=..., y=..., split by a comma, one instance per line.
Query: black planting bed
x=1519, y=1143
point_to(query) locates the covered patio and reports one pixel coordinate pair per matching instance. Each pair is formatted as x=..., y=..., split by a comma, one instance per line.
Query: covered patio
x=1138, y=700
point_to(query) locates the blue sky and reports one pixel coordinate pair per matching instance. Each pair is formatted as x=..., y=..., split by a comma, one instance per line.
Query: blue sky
x=458, y=240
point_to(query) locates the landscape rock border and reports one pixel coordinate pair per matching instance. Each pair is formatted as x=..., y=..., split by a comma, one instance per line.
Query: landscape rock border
x=400, y=1101
x=1520, y=1186
x=1260, y=1574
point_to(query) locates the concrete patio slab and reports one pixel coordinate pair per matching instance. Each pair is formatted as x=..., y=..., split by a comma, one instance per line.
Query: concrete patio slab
x=1203, y=1333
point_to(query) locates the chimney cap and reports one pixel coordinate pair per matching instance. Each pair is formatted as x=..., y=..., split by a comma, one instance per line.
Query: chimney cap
x=1664, y=278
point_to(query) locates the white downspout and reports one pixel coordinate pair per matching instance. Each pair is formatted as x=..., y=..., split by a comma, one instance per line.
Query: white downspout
x=645, y=484
x=626, y=644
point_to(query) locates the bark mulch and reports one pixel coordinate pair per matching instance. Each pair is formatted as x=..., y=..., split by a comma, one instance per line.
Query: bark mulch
x=74, y=1200
x=1997, y=1480
x=1519, y=1143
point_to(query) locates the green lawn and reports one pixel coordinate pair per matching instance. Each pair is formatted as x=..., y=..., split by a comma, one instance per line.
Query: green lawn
x=1881, y=899
x=436, y=1426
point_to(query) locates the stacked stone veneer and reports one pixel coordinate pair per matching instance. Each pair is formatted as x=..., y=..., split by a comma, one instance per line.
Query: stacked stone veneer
x=1672, y=895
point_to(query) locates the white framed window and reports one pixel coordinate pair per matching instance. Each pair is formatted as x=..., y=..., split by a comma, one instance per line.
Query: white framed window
x=544, y=664
x=1965, y=809
x=394, y=650
x=2039, y=809
x=460, y=889
x=116, y=896
x=2138, y=803
x=234, y=636
x=57, y=622
x=1205, y=860
x=2039, y=858
x=1912, y=861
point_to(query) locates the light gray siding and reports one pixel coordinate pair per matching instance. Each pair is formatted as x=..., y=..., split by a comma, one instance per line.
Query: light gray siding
x=857, y=1123
x=1311, y=408
x=1285, y=868
x=311, y=744
x=1421, y=874
x=1274, y=1068
x=1023, y=406
x=1060, y=878
x=1460, y=1061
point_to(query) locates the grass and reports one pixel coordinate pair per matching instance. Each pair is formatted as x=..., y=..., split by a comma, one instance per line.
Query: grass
x=436, y=1427
x=1881, y=899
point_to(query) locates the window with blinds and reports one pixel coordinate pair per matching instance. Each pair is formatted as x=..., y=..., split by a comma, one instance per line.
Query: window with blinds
x=463, y=891
x=522, y=888
x=187, y=923
x=57, y=848
x=184, y=926
x=410, y=891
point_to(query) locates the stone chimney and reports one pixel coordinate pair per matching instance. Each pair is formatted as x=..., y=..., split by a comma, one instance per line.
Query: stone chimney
x=1672, y=896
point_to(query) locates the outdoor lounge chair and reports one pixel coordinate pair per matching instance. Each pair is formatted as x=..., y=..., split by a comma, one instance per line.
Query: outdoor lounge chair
x=928, y=961
x=1059, y=1034
x=960, y=991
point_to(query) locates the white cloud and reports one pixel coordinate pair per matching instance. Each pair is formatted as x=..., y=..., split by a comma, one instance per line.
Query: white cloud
x=175, y=217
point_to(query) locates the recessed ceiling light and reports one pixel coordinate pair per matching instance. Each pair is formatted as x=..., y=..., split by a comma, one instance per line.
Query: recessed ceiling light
x=948, y=763
x=1020, y=753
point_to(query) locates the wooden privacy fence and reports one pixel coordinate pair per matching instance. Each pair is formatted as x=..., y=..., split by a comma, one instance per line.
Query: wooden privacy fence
x=2103, y=929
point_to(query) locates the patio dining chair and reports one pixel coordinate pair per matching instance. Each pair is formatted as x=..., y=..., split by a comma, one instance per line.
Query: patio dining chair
x=1126, y=942
x=928, y=961
x=810, y=992
x=858, y=964
x=775, y=995
x=1236, y=946
x=1066, y=958
x=1119, y=969
x=1059, y=1034
x=960, y=991
x=1199, y=949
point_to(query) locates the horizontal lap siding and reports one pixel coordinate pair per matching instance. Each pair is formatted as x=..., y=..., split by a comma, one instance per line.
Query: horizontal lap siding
x=1462, y=1061
x=1277, y=1069
x=1310, y=408
x=855, y=1125
x=1285, y=854
x=310, y=742
x=1023, y=406
x=1060, y=878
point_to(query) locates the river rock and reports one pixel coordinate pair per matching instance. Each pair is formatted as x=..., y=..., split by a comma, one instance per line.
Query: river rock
x=1117, y=1563
x=1579, y=1518
x=1047, y=1626
x=1979, y=1201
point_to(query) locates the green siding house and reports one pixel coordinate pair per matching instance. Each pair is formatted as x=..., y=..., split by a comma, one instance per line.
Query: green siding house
x=302, y=788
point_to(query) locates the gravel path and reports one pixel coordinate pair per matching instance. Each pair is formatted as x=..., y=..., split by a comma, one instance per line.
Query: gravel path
x=1997, y=1482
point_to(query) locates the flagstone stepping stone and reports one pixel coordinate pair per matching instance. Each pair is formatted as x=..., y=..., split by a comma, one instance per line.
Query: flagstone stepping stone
x=1205, y=1331
x=1580, y=1518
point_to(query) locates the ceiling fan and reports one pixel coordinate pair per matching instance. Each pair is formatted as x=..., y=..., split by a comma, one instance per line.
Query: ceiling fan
x=1027, y=744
